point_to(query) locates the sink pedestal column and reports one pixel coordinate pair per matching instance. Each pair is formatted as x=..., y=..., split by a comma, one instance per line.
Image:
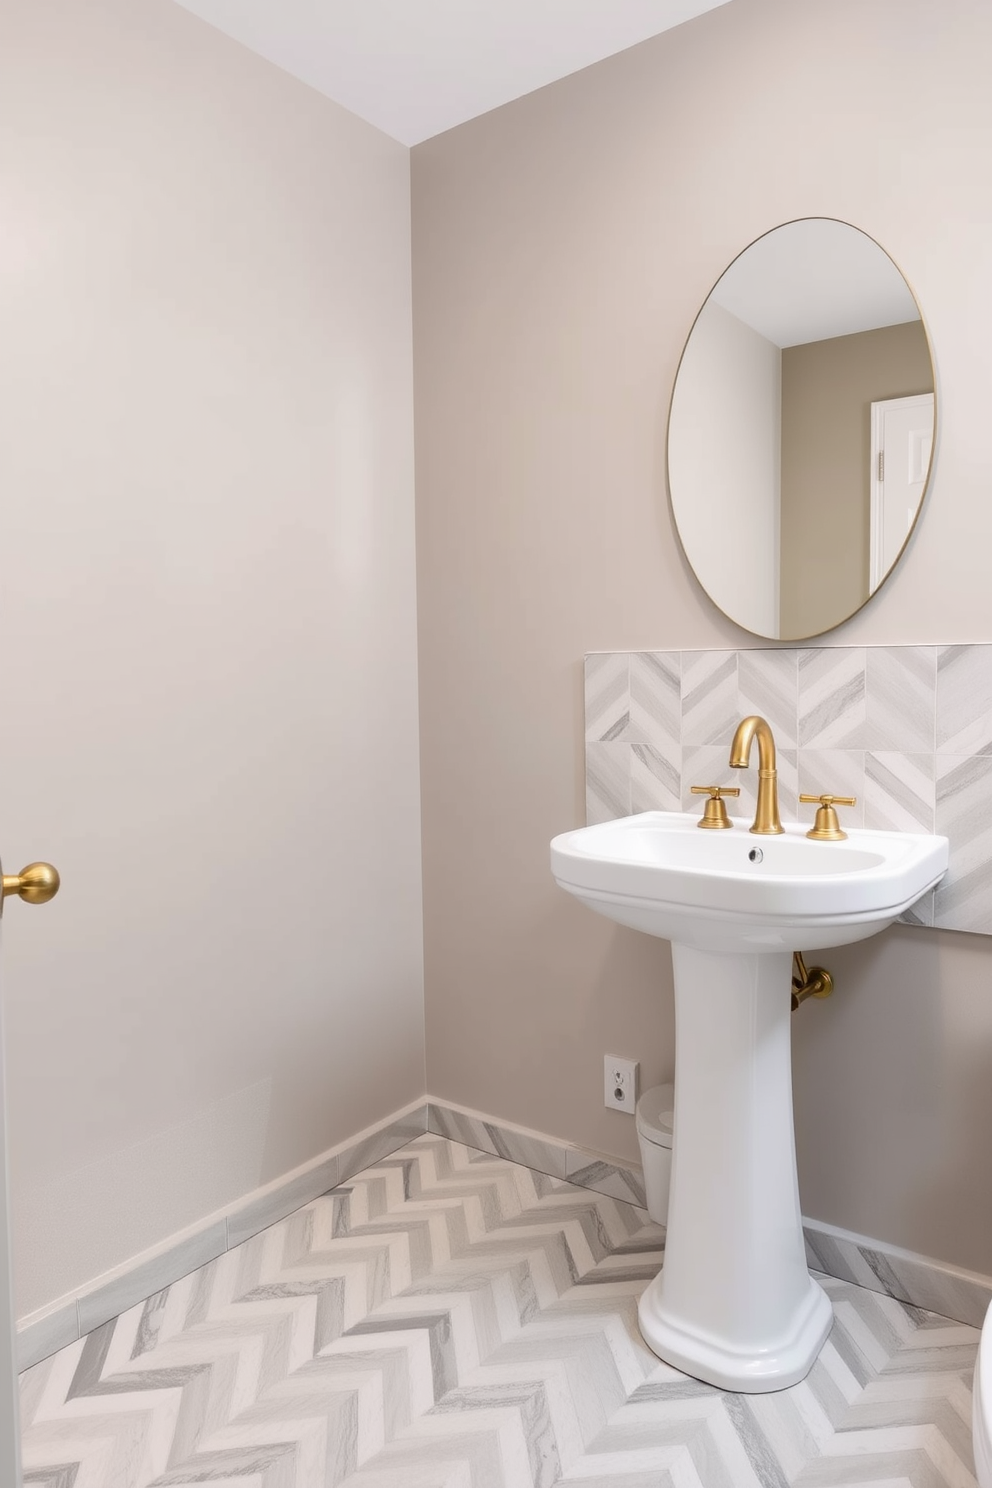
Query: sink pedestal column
x=734, y=1303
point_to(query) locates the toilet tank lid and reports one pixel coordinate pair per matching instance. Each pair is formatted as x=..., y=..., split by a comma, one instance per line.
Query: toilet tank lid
x=656, y=1114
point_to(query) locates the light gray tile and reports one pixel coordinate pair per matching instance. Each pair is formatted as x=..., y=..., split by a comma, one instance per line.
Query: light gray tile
x=788, y=784
x=709, y=697
x=382, y=1144
x=963, y=899
x=607, y=695
x=459, y=1126
x=768, y=684
x=900, y=792
x=960, y=1295
x=619, y=1180
x=964, y=700
x=116, y=1296
x=835, y=772
x=832, y=704
x=545, y=1284
x=901, y=691
x=656, y=700
x=267, y=1209
x=41, y=1335
x=530, y=1150
x=607, y=782
x=654, y=780
x=920, y=913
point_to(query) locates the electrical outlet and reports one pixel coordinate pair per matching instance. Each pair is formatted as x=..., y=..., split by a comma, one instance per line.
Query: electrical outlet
x=620, y=1083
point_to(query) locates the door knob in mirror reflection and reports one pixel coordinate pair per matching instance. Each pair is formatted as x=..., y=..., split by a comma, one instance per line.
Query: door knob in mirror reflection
x=36, y=884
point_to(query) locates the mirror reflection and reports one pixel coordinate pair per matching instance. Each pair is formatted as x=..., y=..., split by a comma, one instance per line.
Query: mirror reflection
x=801, y=429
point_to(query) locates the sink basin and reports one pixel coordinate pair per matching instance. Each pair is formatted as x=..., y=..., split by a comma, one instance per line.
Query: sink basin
x=734, y=1303
x=732, y=890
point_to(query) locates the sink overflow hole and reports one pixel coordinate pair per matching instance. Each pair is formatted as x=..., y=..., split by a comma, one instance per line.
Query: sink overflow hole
x=755, y=855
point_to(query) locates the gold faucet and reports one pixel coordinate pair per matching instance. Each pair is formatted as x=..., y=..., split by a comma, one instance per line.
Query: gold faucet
x=766, y=817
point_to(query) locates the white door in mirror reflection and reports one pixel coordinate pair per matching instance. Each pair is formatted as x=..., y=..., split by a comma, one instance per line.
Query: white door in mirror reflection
x=901, y=446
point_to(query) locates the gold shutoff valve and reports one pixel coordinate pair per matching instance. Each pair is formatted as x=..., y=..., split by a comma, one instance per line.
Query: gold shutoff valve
x=814, y=981
x=35, y=884
x=715, y=812
x=826, y=827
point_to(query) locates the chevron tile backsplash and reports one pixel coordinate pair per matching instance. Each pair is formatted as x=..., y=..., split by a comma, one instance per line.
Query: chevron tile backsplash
x=905, y=729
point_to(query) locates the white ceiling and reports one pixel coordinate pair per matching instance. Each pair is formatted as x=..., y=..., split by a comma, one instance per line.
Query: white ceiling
x=815, y=279
x=417, y=67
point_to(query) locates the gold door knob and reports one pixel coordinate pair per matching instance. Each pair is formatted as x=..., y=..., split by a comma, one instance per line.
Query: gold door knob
x=36, y=884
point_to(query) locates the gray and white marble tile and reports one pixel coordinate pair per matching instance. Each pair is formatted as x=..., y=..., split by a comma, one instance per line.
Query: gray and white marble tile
x=607, y=782
x=119, y=1292
x=654, y=780
x=900, y=792
x=835, y=772
x=280, y=1199
x=964, y=700
x=605, y=1175
x=788, y=783
x=453, y=1318
x=920, y=913
x=832, y=701
x=768, y=684
x=656, y=701
x=709, y=697
x=901, y=691
x=46, y=1332
x=382, y=1143
x=499, y=1139
x=916, y=1280
x=607, y=696
x=963, y=898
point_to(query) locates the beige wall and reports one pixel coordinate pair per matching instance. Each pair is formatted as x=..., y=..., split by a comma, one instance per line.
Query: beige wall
x=562, y=246
x=828, y=388
x=208, y=667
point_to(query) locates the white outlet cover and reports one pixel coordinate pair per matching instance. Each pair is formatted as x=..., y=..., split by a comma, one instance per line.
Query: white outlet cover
x=620, y=1083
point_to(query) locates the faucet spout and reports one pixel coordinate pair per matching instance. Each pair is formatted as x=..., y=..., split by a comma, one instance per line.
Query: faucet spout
x=766, y=818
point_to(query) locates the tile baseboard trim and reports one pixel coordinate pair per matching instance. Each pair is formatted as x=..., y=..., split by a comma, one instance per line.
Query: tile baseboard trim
x=51, y=1328
x=920, y=1281
x=917, y=1280
x=534, y=1149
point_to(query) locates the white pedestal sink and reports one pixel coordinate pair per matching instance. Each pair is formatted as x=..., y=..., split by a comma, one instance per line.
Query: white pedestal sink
x=734, y=1303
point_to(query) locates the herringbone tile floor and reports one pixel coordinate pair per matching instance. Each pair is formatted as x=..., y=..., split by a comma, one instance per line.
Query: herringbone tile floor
x=449, y=1319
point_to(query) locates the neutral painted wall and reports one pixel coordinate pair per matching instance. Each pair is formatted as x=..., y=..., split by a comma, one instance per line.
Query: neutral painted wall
x=208, y=667
x=562, y=247
x=828, y=388
x=724, y=449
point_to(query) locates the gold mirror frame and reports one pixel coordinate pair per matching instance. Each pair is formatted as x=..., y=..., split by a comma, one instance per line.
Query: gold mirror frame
x=848, y=614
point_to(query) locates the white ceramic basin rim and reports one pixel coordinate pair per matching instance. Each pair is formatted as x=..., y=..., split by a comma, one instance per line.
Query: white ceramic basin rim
x=737, y=890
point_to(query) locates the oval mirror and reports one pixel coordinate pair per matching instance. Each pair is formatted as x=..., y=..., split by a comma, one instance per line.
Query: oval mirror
x=801, y=431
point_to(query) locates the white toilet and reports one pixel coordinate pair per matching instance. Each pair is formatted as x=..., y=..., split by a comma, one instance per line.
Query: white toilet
x=981, y=1410
x=655, y=1119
